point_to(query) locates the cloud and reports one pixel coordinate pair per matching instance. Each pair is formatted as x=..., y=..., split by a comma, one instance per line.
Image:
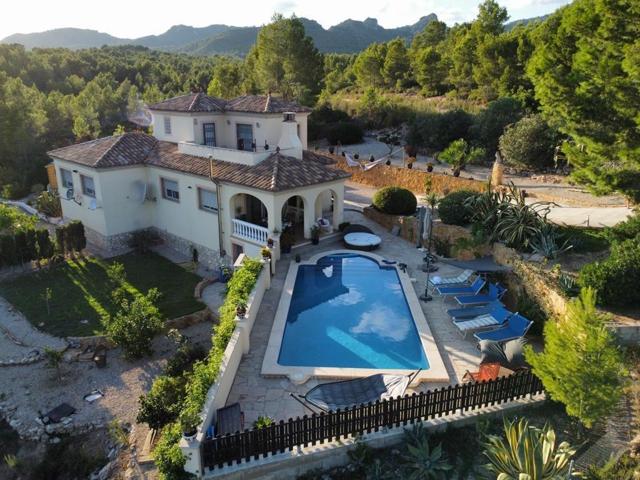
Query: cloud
x=285, y=6
x=352, y=298
x=383, y=322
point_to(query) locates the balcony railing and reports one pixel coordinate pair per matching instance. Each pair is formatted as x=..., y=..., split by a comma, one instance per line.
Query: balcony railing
x=225, y=154
x=250, y=231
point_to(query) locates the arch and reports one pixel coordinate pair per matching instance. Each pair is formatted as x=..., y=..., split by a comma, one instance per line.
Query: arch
x=328, y=205
x=294, y=214
x=249, y=208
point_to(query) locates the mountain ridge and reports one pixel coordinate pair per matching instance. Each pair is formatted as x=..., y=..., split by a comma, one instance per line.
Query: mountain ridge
x=348, y=36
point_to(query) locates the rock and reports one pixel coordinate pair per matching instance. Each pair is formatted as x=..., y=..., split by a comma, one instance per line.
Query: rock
x=105, y=472
x=130, y=474
x=39, y=421
x=55, y=440
x=50, y=429
x=113, y=453
x=67, y=420
x=15, y=423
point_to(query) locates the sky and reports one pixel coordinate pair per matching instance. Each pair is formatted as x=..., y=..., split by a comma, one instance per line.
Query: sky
x=131, y=19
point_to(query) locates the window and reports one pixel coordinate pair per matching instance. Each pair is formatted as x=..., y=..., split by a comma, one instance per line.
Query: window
x=208, y=200
x=88, y=188
x=66, y=178
x=209, y=131
x=244, y=134
x=167, y=125
x=170, y=190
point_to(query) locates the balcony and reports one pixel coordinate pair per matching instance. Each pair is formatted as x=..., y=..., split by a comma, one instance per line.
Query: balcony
x=232, y=155
x=249, y=231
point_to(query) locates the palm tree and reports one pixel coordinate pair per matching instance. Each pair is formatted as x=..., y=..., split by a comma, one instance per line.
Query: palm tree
x=529, y=453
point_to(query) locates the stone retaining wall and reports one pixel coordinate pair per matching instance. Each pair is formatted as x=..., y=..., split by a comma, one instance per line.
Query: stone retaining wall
x=414, y=180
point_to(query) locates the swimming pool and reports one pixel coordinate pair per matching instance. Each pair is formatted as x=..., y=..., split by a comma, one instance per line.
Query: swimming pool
x=344, y=314
x=349, y=311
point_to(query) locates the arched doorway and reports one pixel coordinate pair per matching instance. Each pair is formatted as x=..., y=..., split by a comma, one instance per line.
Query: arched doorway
x=293, y=218
x=249, y=218
x=327, y=208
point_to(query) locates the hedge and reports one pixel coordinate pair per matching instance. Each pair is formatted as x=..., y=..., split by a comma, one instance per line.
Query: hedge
x=395, y=201
x=167, y=455
x=24, y=246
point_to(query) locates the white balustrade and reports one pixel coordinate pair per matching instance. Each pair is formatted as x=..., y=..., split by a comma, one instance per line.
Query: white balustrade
x=250, y=231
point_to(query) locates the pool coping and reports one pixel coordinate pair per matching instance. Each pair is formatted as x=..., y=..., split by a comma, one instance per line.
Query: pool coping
x=436, y=372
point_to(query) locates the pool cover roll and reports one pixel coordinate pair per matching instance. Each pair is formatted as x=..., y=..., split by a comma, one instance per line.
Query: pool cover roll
x=348, y=393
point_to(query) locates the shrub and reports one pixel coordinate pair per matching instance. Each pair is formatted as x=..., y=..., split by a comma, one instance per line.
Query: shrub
x=45, y=245
x=13, y=220
x=163, y=403
x=626, y=230
x=489, y=124
x=167, y=454
x=452, y=208
x=529, y=143
x=616, y=279
x=347, y=133
x=142, y=241
x=71, y=238
x=459, y=153
x=435, y=131
x=581, y=365
x=395, y=201
x=322, y=118
x=49, y=204
x=186, y=355
x=135, y=325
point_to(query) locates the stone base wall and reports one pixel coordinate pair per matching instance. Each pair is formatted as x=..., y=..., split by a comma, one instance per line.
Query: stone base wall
x=119, y=244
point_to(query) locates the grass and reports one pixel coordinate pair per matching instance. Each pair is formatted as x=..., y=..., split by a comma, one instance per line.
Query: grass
x=81, y=291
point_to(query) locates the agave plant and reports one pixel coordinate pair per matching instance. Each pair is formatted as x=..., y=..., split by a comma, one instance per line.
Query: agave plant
x=547, y=242
x=529, y=453
x=423, y=462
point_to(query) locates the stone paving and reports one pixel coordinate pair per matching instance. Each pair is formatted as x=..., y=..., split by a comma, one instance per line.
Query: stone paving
x=258, y=395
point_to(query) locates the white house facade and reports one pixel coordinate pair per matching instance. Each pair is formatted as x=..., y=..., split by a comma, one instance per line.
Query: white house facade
x=217, y=176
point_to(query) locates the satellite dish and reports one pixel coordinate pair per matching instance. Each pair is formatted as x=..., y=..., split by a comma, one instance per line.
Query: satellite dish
x=139, y=191
x=93, y=204
x=69, y=194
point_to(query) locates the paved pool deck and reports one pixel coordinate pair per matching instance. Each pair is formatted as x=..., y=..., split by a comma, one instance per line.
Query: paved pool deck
x=259, y=396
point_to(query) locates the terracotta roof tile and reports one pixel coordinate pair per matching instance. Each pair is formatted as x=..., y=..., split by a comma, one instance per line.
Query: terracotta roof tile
x=194, y=102
x=278, y=172
x=263, y=104
x=116, y=151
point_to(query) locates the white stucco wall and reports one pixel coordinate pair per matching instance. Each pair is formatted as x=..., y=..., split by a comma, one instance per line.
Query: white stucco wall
x=184, y=129
x=123, y=211
x=94, y=219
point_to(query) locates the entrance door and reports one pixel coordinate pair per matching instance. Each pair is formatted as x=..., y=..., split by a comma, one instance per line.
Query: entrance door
x=209, y=131
x=244, y=134
x=236, y=251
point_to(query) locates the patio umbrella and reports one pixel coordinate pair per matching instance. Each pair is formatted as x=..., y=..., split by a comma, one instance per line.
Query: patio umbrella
x=510, y=354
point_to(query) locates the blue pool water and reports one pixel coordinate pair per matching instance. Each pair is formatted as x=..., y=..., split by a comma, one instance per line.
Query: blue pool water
x=348, y=311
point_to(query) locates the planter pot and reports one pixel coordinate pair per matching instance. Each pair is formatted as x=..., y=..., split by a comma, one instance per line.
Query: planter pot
x=388, y=162
x=241, y=312
x=315, y=241
x=410, y=166
x=456, y=173
x=429, y=168
x=331, y=150
x=223, y=277
x=270, y=243
x=297, y=258
x=190, y=436
x=356, y=156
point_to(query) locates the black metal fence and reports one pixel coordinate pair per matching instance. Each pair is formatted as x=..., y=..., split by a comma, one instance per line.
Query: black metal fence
x=326, y=427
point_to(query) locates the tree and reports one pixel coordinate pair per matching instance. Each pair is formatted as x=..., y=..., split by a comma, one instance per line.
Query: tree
x=163, y=403
x=227, y=80
x=285, y=59
x=396, y=69
x=586, y=77
x=430, y=71
x=490, y=123
x=433, y=34
x=369, y=65
x=581, y=366
x=529, y=453
x=459, y=153
x=135, y=324
x=529, y=143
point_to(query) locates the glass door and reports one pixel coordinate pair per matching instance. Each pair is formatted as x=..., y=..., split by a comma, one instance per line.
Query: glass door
x=209, y=131
x=244, y=134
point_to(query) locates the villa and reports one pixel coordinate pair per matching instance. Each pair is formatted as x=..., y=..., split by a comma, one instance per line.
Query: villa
x=218, y=176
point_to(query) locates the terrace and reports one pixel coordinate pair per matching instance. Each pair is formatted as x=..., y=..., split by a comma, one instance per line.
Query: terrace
x=263, y=396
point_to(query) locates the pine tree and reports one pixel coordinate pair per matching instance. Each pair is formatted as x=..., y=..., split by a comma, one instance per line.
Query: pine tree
x=580, y=366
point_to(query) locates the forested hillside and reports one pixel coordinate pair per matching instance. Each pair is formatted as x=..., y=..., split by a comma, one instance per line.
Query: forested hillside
x=570, y=80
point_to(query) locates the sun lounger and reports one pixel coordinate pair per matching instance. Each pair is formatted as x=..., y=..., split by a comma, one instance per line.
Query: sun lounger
x=496, y=318
x=461, y=279
x=495, y=293
x=460, y=313
x=472, y=289
x=517, y=326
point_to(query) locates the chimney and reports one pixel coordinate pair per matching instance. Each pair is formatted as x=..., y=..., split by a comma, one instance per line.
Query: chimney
x=289, y=142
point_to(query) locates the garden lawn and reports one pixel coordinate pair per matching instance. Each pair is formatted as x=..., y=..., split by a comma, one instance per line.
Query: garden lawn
x=81, y=292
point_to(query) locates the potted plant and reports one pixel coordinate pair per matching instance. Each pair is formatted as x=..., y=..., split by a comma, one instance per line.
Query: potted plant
x=225, y=274
x=456, y=171
x=372, y=158
x=356, y=156
x=388, y=162
x=298, y=258
x=189, y=422
x=332, y=149
x=241, y=309
x=286, y=241
x=270, y=242
x=429, y=167
x=265, y=252
x=315, y=234
x=410, y=162
x=263, y=421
